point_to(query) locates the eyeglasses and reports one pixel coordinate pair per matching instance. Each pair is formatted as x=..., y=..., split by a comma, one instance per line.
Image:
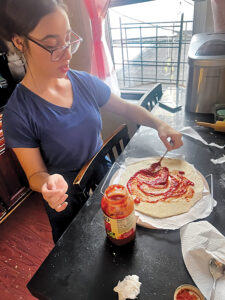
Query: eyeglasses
x=58, y=52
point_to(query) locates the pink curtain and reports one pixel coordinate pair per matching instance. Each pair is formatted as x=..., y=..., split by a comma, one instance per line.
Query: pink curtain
x=101, y=61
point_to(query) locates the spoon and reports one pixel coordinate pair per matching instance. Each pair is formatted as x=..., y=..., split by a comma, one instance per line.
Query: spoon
x=171, y=143
x=162, y=157
x=217, y=270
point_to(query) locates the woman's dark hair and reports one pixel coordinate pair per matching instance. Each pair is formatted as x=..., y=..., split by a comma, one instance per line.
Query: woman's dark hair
x=21, y=16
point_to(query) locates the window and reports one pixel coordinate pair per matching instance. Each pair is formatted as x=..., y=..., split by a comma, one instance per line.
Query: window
x=125, y=2
x=148, y=45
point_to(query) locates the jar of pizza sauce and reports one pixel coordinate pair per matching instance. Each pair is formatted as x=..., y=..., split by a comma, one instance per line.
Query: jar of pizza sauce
x=119, y=218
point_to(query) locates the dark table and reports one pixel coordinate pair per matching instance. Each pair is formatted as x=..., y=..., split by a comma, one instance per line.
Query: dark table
x=85, y=265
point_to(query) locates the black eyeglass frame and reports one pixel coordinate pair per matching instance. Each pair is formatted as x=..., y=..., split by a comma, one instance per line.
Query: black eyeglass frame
x=51, y=51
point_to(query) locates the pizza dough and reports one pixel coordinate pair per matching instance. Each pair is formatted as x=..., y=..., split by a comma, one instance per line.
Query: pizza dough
x=171, y=206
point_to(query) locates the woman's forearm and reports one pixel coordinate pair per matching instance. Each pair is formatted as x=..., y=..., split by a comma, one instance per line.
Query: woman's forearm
x=133, y=112
x=37, y=180
x=142, y=116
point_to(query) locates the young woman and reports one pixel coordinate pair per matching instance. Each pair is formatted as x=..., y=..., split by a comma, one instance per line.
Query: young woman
x=52, y=120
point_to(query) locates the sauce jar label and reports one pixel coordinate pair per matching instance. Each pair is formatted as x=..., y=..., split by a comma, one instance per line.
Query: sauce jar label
x=120, y=228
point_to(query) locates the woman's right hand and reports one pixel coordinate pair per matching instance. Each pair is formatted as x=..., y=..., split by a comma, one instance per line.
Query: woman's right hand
x=54, y=192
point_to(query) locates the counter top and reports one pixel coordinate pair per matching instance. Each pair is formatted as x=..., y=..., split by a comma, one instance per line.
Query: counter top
x=85, y=265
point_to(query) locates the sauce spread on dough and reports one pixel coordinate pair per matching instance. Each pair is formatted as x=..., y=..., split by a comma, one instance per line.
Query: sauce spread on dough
x=186, y=294
x=156, y=183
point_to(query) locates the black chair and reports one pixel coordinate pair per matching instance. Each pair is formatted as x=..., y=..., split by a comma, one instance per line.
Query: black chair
x=85, y=181
x=151, y=98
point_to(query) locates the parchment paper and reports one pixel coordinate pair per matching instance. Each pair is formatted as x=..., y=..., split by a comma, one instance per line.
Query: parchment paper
x=200, y=210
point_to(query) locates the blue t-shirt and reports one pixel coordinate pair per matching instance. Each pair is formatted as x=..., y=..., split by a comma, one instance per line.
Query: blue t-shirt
x=67, y=137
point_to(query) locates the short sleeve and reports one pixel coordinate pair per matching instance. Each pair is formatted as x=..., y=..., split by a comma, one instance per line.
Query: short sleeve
x=17, y=131
x=95, y=86
x=101, y=90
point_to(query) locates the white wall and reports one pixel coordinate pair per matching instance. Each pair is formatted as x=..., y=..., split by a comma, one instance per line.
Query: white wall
x=80, y=23
x=203, y=18
x=111, y=122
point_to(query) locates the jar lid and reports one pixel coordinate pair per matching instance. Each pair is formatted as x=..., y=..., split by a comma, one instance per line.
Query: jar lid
x=190, y=288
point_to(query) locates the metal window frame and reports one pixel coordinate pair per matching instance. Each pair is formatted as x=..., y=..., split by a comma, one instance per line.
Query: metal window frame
x=114, y=3
x=178, y=61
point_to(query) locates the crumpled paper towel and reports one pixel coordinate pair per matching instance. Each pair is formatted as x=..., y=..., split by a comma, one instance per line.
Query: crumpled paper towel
x=129, y=288
x=201, y=241
x=200, y=210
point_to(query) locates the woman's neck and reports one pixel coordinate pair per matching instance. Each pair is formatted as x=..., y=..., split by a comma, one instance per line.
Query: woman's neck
x=39, y=83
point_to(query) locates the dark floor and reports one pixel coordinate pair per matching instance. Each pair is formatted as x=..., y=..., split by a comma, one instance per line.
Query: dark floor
x=25, y=241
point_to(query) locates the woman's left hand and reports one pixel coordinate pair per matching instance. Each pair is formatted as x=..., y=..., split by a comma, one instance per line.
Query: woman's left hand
x=171, y=138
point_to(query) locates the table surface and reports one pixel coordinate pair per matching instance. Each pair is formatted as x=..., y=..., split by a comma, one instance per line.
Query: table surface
x=85, y=265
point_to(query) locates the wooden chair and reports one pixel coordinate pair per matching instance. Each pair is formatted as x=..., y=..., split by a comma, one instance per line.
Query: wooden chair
x=149, y=99
x=85, y=181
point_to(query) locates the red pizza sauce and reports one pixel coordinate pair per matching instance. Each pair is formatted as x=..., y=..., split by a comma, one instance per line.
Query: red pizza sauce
x=186, y=294
x=157, y=182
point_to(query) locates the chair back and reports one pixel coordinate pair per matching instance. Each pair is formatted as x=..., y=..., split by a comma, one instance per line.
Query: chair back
x=86, y=181
x=150, y=98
